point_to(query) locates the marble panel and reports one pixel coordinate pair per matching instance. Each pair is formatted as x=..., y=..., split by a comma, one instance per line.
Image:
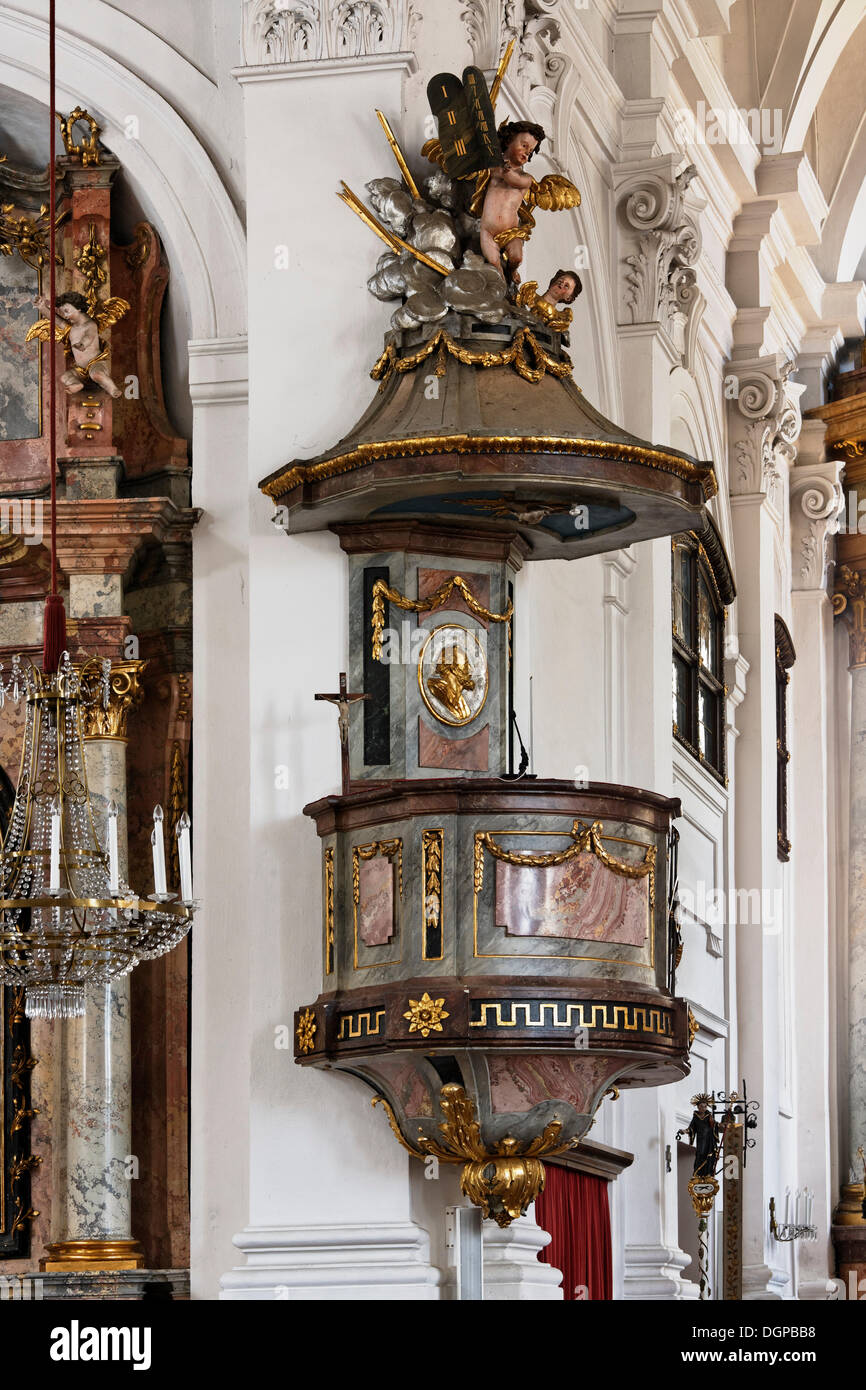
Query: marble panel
x=409, y=1087
x=429, y=581
x=580, y=900
x=376, y=901
x=470, y=754
x=517, y=1084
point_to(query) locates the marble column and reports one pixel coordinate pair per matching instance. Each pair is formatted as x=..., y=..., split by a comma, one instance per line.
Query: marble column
x=94, y=1166
x=849, y=1230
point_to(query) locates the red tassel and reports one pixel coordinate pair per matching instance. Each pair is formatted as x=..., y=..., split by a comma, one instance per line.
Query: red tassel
x=54, y=639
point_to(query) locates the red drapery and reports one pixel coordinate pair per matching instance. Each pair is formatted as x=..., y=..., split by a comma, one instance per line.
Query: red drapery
x=573, y=1208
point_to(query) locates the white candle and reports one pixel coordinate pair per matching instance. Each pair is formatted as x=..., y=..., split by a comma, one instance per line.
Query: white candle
x=184, y=859
x=798, y=1215
x=158, y=845
x=113, y=857
x=787, y=1206
x=54, y=877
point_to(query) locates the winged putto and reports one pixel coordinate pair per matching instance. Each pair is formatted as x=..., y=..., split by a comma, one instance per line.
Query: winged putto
x=504, y=195
x=81, y=331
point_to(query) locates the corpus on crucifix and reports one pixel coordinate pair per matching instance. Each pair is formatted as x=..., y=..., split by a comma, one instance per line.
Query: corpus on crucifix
x=343, y=700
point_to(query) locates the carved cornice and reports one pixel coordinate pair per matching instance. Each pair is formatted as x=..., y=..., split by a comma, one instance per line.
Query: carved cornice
x=764, y=424
x=126, y=694
x=816, y=503
x=301, y=31
x=849, y=603
x=661, y=242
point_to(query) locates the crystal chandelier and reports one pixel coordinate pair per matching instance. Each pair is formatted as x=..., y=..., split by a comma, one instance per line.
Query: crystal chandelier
x=67, y=918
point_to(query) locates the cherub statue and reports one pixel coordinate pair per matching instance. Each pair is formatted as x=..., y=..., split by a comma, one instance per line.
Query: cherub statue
x=81, y=330
x=564, y=288
x=504, y=195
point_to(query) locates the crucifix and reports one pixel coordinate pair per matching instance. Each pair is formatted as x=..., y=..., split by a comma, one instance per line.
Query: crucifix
x=343, y=700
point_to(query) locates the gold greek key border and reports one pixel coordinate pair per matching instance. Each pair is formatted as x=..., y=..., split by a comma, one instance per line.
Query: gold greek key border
x=389, y=848
x=583, y=838
x=432, y=877
x=418, y=445
x=579, y=1014
x=329, y=911
x=355, y=1022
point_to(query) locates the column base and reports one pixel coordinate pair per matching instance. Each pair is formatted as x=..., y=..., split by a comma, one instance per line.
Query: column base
x=373, y=1261
x=68, y=1256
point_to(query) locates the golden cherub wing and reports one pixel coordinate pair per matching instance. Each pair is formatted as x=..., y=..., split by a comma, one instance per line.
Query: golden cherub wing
x=42, y=330
x=553, y=193
x=109, y=312
x=527, y=294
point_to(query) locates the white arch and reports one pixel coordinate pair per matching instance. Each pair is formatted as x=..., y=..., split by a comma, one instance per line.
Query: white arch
x=817, y=63
x=202, y=232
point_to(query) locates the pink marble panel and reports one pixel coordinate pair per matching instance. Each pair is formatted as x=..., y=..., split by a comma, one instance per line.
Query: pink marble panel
x=376, y=901
x=470, y=754
x=519, y=1083
x=580, y=900
x=410, y=1088
x=430, y=580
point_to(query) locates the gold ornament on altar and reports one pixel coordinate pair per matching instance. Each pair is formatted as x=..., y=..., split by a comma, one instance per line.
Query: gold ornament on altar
x=88, y=151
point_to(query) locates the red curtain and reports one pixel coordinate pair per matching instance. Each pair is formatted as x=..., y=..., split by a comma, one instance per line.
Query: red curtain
x=573, y=1208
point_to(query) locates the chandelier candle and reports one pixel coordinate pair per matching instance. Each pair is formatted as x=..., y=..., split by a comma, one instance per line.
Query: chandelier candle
x=160, y=887
x=184, y=859
x=113, y=856
x=54, y=879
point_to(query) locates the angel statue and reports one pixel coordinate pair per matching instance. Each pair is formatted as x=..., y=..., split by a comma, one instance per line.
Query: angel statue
x=504, y=195
x=81, y=330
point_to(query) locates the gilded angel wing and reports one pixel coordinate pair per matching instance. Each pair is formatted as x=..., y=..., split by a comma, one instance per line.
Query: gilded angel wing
x=553, y=193
x=42, y=330
x=527, y=294
x=110, y=311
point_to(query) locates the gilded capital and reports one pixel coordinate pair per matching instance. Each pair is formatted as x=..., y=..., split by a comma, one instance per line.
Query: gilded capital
x=126, y=693
x=849, y=603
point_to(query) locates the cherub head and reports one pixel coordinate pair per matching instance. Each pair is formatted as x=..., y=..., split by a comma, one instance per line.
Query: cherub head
x=564, y=287
x=519, y=140
x=73, y=301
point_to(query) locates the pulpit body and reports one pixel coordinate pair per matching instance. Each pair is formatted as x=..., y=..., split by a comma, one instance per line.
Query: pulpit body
x=498, y=951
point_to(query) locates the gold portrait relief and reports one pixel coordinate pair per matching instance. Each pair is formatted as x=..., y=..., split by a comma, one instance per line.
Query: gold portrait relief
x=452, y=674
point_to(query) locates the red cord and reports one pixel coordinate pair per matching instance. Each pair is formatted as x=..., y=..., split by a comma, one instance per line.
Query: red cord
x=54, y=630
x=52, y=290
